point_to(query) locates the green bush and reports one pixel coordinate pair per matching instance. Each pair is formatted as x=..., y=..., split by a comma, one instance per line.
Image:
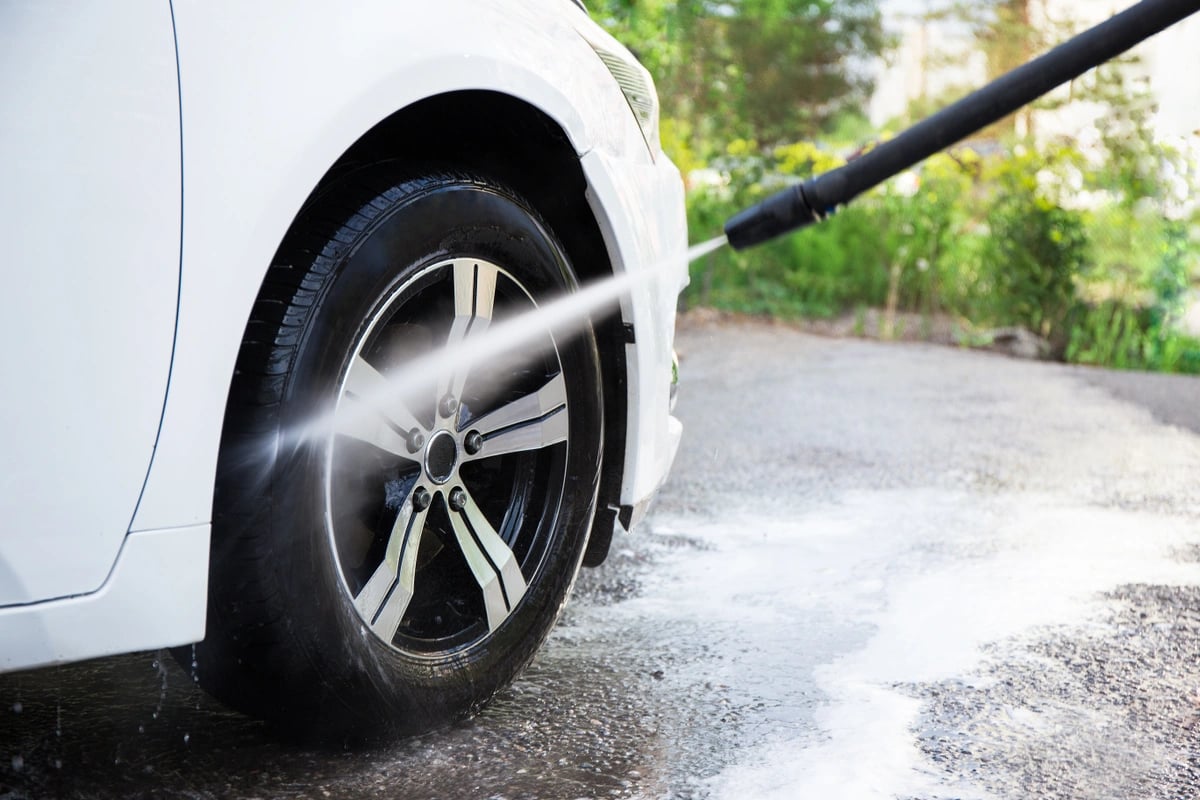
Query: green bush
x=1150, y=258
x=822, y=270
x=1034, y=252
x=988, y=240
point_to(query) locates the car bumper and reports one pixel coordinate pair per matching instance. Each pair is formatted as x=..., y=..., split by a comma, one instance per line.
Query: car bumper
x=640, y=209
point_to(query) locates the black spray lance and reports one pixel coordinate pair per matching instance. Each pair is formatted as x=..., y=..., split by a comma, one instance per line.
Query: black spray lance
x=813, y=200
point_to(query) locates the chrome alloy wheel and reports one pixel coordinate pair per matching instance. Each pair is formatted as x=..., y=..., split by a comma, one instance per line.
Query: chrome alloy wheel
x=440, y=499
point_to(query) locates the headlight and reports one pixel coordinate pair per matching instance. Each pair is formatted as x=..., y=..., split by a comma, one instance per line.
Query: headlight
x=638, y=88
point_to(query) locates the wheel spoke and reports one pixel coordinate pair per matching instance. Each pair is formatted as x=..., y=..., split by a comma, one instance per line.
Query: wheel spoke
x=530, y=422
x=474, y=300
x=491, y=562
x=374, y=390
x=371, y=411
x=385, y=597
x=359, y=421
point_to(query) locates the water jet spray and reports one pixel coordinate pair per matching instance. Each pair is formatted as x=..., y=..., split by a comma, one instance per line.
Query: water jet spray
x=815, y=199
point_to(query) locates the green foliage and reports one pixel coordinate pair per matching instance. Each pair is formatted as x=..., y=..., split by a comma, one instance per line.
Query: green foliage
x=816, y=273
x=783, y=69
x=1109, y=334
x=1035, y=250
x=768, y=70
x=1117, y=333
x=927, y=248
x=993, y=240
x=649, y=28
x=1134, y=163
x=984, y=239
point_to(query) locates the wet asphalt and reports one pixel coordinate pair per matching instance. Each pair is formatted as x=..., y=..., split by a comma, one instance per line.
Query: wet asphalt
x=878, y=570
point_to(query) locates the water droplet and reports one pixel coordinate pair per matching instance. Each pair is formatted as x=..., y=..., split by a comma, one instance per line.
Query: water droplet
x=154, y=664
x=18, y=763
x=58, y=763
x=17, y=707
x=186, y=738
x=141, y=728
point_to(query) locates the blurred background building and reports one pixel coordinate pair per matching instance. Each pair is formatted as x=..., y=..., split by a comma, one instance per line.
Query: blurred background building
x=937, y=54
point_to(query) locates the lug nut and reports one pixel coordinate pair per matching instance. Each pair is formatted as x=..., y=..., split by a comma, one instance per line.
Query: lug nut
x=421, y=498
x=473, y=442
x=416, y=440
x=448, y=406
x=458, y=499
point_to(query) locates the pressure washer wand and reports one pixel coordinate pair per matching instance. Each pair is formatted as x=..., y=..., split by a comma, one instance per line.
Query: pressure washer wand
x=813, y=200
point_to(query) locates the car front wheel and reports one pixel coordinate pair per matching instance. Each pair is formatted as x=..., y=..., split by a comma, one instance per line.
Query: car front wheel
x=398, y=522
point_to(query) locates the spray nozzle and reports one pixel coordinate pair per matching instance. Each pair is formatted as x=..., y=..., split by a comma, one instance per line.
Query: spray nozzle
x=782, y=212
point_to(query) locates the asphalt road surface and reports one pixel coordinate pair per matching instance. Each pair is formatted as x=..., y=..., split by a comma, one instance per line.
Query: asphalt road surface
x=877, y=571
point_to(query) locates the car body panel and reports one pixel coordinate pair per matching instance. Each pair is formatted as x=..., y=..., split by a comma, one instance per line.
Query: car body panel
x=271, y=100
x=149, y=601
x=637, y=207
x=90, y=219
x=271, y=95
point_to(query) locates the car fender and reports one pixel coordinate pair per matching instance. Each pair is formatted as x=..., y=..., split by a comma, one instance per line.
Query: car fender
x=270, y=99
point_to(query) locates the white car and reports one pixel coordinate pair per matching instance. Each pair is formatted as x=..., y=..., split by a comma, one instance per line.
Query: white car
x=229, y=228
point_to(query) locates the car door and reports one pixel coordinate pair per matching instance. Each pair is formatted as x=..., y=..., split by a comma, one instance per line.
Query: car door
x=90, y=189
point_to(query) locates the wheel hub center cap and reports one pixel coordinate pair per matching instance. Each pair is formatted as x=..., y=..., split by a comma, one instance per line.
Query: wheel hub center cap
x=441, y=456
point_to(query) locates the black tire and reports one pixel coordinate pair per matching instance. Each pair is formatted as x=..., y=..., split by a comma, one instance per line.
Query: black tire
x=301, y=592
